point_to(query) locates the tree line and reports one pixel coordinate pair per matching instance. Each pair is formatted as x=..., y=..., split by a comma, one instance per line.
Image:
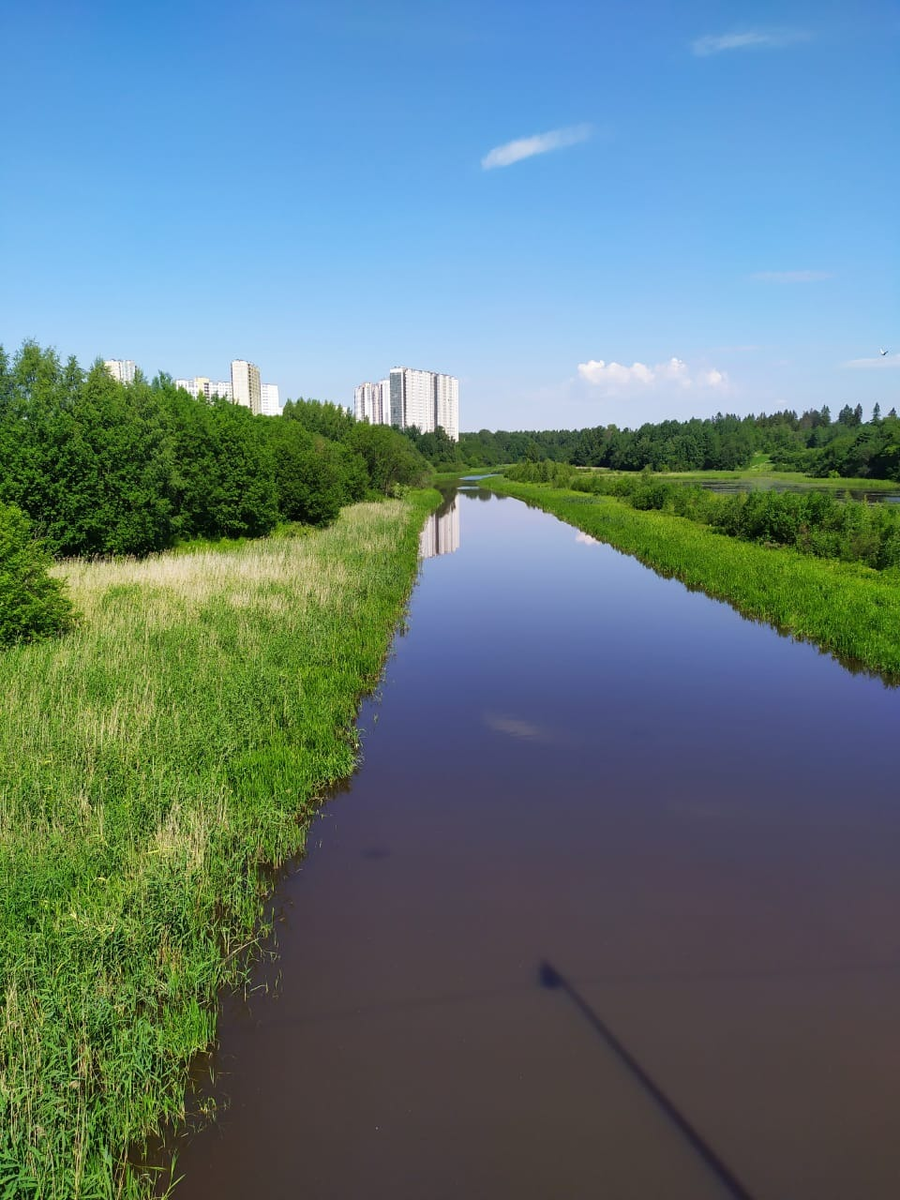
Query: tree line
x=105, y=468
x=812, y=442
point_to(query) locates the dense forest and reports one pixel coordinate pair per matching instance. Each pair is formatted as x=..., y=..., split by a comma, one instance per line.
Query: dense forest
x=812, y=442
x=105, y=468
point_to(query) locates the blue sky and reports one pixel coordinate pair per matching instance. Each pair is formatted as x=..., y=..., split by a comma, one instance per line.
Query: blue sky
x=710, y=222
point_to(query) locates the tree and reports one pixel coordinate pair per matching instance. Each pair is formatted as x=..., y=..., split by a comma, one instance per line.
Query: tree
x=224, y=481
x=309, y=477
x=32, y=604
x=389, y=457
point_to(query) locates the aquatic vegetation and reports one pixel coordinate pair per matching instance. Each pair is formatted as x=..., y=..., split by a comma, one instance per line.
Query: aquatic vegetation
x=846, y=608
x=152, y=763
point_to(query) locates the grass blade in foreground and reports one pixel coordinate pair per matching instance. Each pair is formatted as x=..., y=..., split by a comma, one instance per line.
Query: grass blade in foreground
x=150, y=764
x=847, y=609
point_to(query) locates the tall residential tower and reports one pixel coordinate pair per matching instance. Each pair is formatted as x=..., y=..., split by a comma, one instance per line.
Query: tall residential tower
x=411, y=397
x=245, y=385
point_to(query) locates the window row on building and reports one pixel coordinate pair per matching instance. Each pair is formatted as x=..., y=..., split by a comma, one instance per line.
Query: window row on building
x=409, y=397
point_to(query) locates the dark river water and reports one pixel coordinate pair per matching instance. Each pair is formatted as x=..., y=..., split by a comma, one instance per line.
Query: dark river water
x=610, y=910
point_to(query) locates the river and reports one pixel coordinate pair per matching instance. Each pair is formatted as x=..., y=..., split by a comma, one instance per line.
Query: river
x=610, y=908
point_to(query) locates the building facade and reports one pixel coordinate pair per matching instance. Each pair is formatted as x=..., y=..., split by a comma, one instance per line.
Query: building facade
x=244, y=388
x=121, y=369
x=202, y=388
x=411, y=397
x=269, y=403
x=446, y=405
x=372, y=402
x=245, y=385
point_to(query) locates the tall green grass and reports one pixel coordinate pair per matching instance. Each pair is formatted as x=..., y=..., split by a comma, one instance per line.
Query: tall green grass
x=847, y=609
x=151, y=765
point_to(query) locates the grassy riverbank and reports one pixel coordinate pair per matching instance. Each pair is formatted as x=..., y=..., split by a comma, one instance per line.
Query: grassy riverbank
x=151, y=764
x=847, y=609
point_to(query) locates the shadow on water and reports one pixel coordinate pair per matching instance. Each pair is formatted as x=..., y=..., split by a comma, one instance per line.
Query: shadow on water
x=553, y=980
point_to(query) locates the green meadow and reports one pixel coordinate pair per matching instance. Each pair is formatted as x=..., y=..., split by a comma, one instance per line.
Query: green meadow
x=846, y=608
x=153, y=764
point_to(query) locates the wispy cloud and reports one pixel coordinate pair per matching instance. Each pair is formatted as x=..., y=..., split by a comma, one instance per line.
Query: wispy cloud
x=616, y=377
x=748, y=39
x=879, y=363
x=540, y=143
x=790, y=276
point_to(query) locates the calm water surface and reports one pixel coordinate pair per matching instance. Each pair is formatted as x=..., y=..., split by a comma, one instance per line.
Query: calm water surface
x=730, y=487
x=580, y=773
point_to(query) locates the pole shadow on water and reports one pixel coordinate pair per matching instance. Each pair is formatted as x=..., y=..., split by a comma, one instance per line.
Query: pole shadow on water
x=550, y=978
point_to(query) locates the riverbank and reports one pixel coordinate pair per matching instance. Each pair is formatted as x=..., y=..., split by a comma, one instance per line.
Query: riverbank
x=846, y=609
x=153, y=764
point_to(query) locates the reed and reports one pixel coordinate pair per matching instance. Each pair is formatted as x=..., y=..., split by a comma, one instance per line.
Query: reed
x=152, y=764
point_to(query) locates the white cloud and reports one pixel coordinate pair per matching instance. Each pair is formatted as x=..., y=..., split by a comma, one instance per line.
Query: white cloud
x=712, y=377
x=790, y=276
x=616, y=377
x=540, y=143
x=879, y=363
x=749, y=39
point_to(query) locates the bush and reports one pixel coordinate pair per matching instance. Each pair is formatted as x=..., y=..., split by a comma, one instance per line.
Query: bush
x=32, y=605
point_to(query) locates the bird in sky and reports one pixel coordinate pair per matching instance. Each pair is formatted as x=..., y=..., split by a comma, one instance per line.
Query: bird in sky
x=882, y=353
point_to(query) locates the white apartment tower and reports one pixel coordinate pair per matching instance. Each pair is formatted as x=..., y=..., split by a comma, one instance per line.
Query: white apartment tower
x=372, y=402
x=121, y=369
x=446, y=405
x=269, y=403
x=245, y=385
x=421, y=398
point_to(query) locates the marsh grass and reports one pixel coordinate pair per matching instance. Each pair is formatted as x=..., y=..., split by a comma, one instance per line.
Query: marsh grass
x=152, y=765
x=847, y=609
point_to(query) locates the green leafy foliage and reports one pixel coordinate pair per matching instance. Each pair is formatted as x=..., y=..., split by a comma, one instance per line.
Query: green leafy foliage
x=32, y=604
x=812, y=443
x=104, y=468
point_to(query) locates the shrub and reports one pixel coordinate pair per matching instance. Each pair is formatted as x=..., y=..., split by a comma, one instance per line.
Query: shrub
x=32, y=605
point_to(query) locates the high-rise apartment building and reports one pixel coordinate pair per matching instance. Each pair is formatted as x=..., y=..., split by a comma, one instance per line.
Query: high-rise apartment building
x=446, y=405
x=245, y=385
x=269, y=403
x=372, y=402
x=411, y=397
x=243, y=388
x=121, y=369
